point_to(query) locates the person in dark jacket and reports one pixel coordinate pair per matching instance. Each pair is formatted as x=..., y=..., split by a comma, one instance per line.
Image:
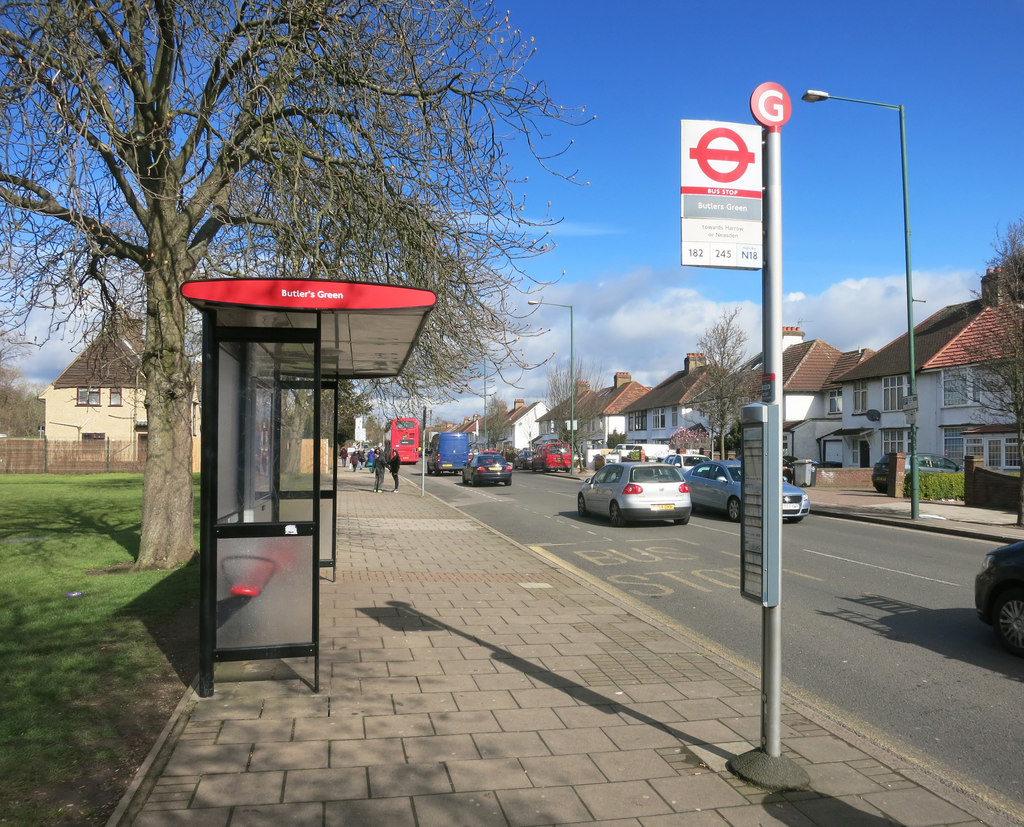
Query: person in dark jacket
x=394, y=464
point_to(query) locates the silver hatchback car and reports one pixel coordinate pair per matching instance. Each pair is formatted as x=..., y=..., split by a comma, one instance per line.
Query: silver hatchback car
x=625, y=491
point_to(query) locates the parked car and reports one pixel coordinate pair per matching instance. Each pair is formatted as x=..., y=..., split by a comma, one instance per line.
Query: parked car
x=522, y=460
x=999, y=595
x=625, y=491
x=685, y=461
x=551, y=457
x=718, y=485
x=925, y=462
x=624, y=451
x=487, y=467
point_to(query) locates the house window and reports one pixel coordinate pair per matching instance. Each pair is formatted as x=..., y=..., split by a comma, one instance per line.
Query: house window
x=892, y=441
x=675, y=418
x=658, y=417
x=115, y=398
x=860, y=396
x=93, y=436
x=959, y=387
x=953, y=444
x=89, y=397
x=835, y=401
x=892, y=393
x=1012, y=458
x=637, y=421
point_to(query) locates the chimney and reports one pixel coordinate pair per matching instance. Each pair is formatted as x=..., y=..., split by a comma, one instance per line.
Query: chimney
x=993, y=289
x=694, y=361
x=518, y=404
x=791, y=336
x=623, y=378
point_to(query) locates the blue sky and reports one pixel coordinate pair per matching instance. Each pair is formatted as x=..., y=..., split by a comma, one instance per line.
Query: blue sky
x=640, y=68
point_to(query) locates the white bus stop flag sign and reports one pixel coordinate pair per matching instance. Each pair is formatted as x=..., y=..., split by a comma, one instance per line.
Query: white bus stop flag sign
x=721, y=194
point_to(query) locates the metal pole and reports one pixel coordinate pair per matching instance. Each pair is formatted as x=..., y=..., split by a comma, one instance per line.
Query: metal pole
x=771, y=655
x=572, y=396
x=814, y=96
x=915, y=491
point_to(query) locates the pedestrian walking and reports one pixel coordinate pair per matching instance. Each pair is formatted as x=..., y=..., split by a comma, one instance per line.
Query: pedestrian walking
x=353, y=459
x=394, y=464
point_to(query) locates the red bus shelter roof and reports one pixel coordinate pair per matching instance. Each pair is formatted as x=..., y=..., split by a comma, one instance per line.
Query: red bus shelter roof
x=366, y=330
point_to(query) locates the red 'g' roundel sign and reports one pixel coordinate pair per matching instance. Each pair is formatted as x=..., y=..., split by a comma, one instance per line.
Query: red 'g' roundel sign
x=770, y=105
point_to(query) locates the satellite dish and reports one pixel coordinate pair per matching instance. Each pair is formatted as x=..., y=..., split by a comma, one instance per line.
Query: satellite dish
x=873, y=415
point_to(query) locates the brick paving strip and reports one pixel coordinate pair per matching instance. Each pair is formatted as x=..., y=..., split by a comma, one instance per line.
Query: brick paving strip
x=466, y=681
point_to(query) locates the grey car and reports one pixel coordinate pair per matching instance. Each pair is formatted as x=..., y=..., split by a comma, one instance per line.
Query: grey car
x=718, y=484
x=627, y=491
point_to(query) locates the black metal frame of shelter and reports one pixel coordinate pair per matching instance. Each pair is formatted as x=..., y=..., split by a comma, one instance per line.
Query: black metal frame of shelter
x=274, y=351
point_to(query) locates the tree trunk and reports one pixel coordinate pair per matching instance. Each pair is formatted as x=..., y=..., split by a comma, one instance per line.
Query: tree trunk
x=167, y=511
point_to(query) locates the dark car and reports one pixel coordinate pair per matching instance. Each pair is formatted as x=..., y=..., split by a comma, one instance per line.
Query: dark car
x=522, y=460
x=999, y=595
x=487, y=467
x=925, y=462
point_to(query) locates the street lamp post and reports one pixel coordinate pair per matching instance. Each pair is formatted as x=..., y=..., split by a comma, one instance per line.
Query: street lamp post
x=814, y=96
x=572, y=384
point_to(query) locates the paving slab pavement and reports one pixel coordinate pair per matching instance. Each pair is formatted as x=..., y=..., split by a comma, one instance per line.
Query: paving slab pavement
x=467, y=681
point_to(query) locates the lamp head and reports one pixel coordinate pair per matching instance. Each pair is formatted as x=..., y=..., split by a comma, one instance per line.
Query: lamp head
x=814, y=95
x=531, y=301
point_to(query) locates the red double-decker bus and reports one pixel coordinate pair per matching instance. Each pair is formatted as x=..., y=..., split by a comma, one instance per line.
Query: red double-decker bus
x=404, y=436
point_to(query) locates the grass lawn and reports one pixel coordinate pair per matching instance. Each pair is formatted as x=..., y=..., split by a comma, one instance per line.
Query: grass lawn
x=88, y=670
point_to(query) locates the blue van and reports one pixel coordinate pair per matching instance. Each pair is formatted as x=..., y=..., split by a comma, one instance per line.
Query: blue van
x=447, y=453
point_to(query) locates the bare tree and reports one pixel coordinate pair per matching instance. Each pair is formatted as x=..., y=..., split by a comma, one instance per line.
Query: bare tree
x=148, y=143
x=586, y=405
x=999, y=376
x=724, y=346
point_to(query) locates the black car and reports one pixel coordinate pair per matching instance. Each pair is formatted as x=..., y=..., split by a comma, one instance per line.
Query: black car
x=925, y=462
x=999, y=595
x=487, y=467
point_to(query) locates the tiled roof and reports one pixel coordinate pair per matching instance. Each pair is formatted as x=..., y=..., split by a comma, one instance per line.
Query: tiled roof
x=605, y=402
x=930, y=337
x=679, y=388
x=979, y=341
x=807, y=367
x=845, y=363
x=109, y=362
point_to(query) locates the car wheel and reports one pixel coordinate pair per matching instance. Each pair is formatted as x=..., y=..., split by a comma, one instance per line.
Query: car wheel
x=615, y=513
x=1008, y=620
x=794, y=519
x=581, y=505
x=732, y=508
x=682, y=521
x=881, y=489
x=508, y=481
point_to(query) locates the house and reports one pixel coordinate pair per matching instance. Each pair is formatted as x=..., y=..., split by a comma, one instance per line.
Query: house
x=599, y=413
x=521, y=426
x=668, y=406
x=811, y=394
x=100, y=395
x=951, y=421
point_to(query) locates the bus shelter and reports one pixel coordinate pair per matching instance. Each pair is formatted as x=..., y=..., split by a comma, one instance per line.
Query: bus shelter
x=274, y=351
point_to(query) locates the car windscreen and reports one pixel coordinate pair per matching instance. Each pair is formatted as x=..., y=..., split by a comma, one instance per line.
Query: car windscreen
x=657, y=473
x=558, y=449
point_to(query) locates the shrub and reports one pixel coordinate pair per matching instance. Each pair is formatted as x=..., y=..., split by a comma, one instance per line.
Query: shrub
x=936, y=486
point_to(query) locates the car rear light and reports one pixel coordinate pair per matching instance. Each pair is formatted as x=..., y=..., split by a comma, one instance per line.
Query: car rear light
x=633, y=488
x=684, y=488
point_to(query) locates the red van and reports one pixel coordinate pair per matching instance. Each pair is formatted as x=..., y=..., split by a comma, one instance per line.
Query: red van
x=551, y=457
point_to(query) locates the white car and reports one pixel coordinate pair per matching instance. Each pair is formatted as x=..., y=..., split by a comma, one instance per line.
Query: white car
x=685, y=461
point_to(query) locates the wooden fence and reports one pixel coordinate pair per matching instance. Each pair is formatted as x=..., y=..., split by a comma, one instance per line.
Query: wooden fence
x=58, y=456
